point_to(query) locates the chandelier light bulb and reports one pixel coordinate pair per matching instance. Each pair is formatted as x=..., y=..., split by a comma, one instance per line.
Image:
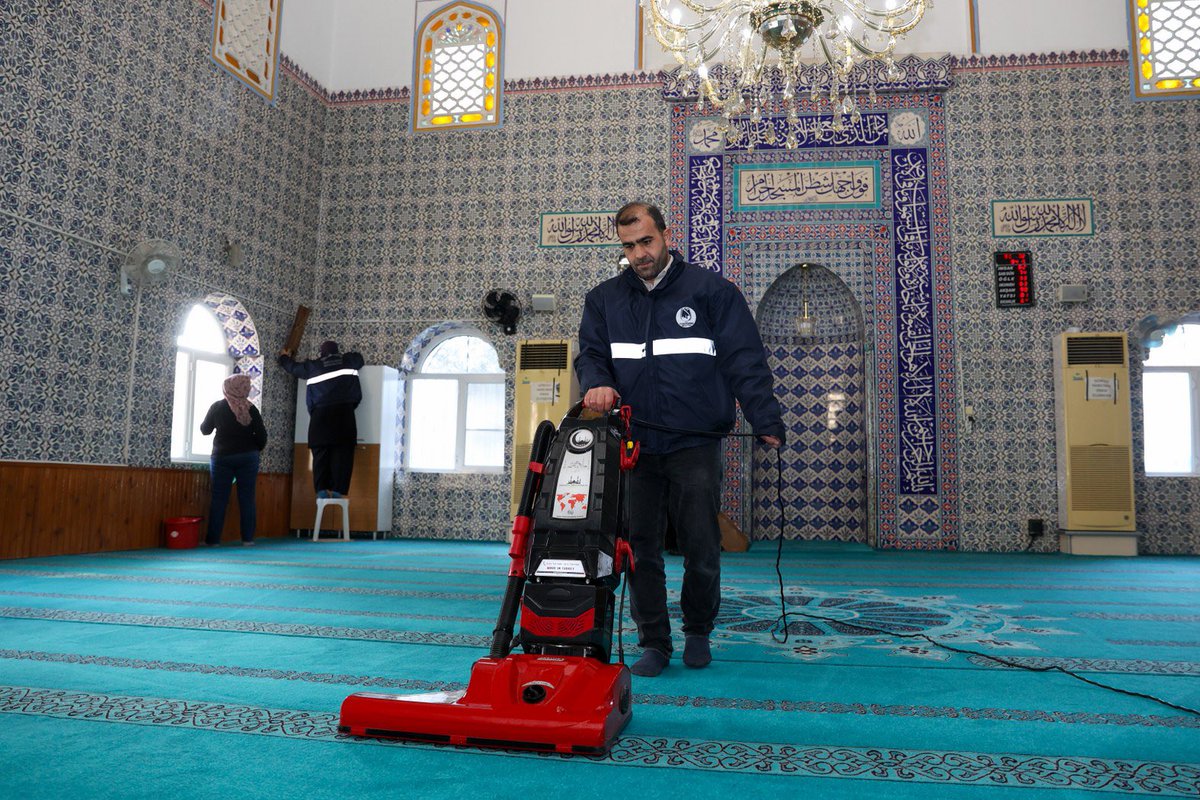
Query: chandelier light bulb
x=782, y=54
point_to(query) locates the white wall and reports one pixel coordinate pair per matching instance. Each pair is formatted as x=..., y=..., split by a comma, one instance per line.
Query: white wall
x=549, y=38
x=367, y=44
x=372, y=44
x=1051, y=26
x=304, y=37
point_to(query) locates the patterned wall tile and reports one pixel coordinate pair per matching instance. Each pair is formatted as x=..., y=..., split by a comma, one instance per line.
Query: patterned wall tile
x=116, y=149
x=1064, y=132
x=419, y=226
x=824, y=489
x=115, y=127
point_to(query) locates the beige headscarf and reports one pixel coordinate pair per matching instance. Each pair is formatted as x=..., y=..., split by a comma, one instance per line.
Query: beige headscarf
x=237, y=394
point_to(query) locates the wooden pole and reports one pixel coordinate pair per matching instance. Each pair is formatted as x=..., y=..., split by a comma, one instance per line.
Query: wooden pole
x=297, y=331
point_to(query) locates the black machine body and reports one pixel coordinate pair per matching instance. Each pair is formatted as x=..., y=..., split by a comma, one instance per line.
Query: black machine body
x=577, y=543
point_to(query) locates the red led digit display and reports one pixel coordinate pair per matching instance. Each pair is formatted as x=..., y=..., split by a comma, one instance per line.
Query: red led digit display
x=1014, y=279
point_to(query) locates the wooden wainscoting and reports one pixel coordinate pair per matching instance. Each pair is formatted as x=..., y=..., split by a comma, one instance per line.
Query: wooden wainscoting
x=363, y=494
x=63, y=509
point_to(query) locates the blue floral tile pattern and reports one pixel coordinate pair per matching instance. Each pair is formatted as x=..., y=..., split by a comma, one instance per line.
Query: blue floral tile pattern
x=115, y=127
x=116, y=148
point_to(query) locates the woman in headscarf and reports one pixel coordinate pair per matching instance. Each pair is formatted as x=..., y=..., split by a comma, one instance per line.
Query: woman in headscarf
x=240, y=436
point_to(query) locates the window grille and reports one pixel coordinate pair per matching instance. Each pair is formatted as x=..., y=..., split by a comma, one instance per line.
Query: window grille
x=1165, y=48
x=457, y=80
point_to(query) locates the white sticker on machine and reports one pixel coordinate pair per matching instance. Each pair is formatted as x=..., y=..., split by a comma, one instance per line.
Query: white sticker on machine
x=574, y=486
x=562, y=567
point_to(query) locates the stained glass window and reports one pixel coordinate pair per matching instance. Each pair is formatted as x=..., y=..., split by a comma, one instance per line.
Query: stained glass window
x=1165, y=48
x=457, y=80
x=246, y=42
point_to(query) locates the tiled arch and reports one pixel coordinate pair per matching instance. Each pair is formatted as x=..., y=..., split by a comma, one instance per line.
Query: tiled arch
x=241, y=339
x=760, y=266
x=823, y=470
x=893, y=254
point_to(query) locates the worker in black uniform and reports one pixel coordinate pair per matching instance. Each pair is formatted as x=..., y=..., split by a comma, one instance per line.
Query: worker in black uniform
x=332, y=395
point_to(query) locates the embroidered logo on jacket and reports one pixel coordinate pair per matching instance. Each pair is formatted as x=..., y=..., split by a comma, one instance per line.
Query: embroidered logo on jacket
x=685, y=317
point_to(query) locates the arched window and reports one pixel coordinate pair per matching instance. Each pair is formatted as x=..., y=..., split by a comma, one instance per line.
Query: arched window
x=218, y=337
x=201, y=365
x=456, y=408
x=457, y=75
x=1171, y=404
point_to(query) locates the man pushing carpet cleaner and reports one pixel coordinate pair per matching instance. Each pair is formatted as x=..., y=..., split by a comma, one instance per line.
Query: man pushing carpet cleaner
x=569, y=548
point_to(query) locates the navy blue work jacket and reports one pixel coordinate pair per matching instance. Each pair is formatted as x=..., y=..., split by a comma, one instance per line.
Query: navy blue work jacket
x=332, y=381
x=678, y=355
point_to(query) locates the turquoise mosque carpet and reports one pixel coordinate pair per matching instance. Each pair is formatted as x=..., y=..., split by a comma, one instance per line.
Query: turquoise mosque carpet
x=219, y=673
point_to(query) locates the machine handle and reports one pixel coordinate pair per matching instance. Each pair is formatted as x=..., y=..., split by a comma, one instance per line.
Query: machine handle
x=502, y=634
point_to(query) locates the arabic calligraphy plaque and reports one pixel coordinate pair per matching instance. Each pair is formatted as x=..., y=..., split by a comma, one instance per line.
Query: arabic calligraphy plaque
x=1066, y=217
x=777, y=187
x=578, y=229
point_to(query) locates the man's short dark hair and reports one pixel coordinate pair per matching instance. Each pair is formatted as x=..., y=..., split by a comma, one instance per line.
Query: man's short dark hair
x=632, y=212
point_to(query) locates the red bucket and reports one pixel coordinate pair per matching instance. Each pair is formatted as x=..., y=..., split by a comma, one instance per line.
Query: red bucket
x=182, y=532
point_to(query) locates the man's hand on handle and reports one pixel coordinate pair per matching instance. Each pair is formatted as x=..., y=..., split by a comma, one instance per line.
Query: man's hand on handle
x=601, y=399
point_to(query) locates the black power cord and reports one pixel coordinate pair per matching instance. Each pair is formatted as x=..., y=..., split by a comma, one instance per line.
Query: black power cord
x=1002, y=661
x=781, y=621
x=624, y=515
x=621, y=619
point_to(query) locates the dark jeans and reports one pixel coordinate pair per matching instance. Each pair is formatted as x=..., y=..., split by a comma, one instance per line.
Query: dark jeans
x=244, y=467
x=686, y=484
x=333, y=465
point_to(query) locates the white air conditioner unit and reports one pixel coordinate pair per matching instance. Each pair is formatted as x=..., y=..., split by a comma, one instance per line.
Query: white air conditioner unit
x=546, y=388
x=1095, y=444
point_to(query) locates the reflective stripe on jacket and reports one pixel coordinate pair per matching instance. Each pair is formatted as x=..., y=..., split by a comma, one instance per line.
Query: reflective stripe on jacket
x=332, y=381
x=678, y=355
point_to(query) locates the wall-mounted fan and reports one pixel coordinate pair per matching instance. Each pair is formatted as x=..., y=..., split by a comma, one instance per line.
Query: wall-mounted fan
x=148, y=263
x=1152, y=329
x=502, y=308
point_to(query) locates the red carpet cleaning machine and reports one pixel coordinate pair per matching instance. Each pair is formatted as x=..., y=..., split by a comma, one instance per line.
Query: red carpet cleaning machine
x=569, y=547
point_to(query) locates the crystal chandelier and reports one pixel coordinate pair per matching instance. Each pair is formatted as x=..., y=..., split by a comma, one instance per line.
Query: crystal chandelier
x=739, y=54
